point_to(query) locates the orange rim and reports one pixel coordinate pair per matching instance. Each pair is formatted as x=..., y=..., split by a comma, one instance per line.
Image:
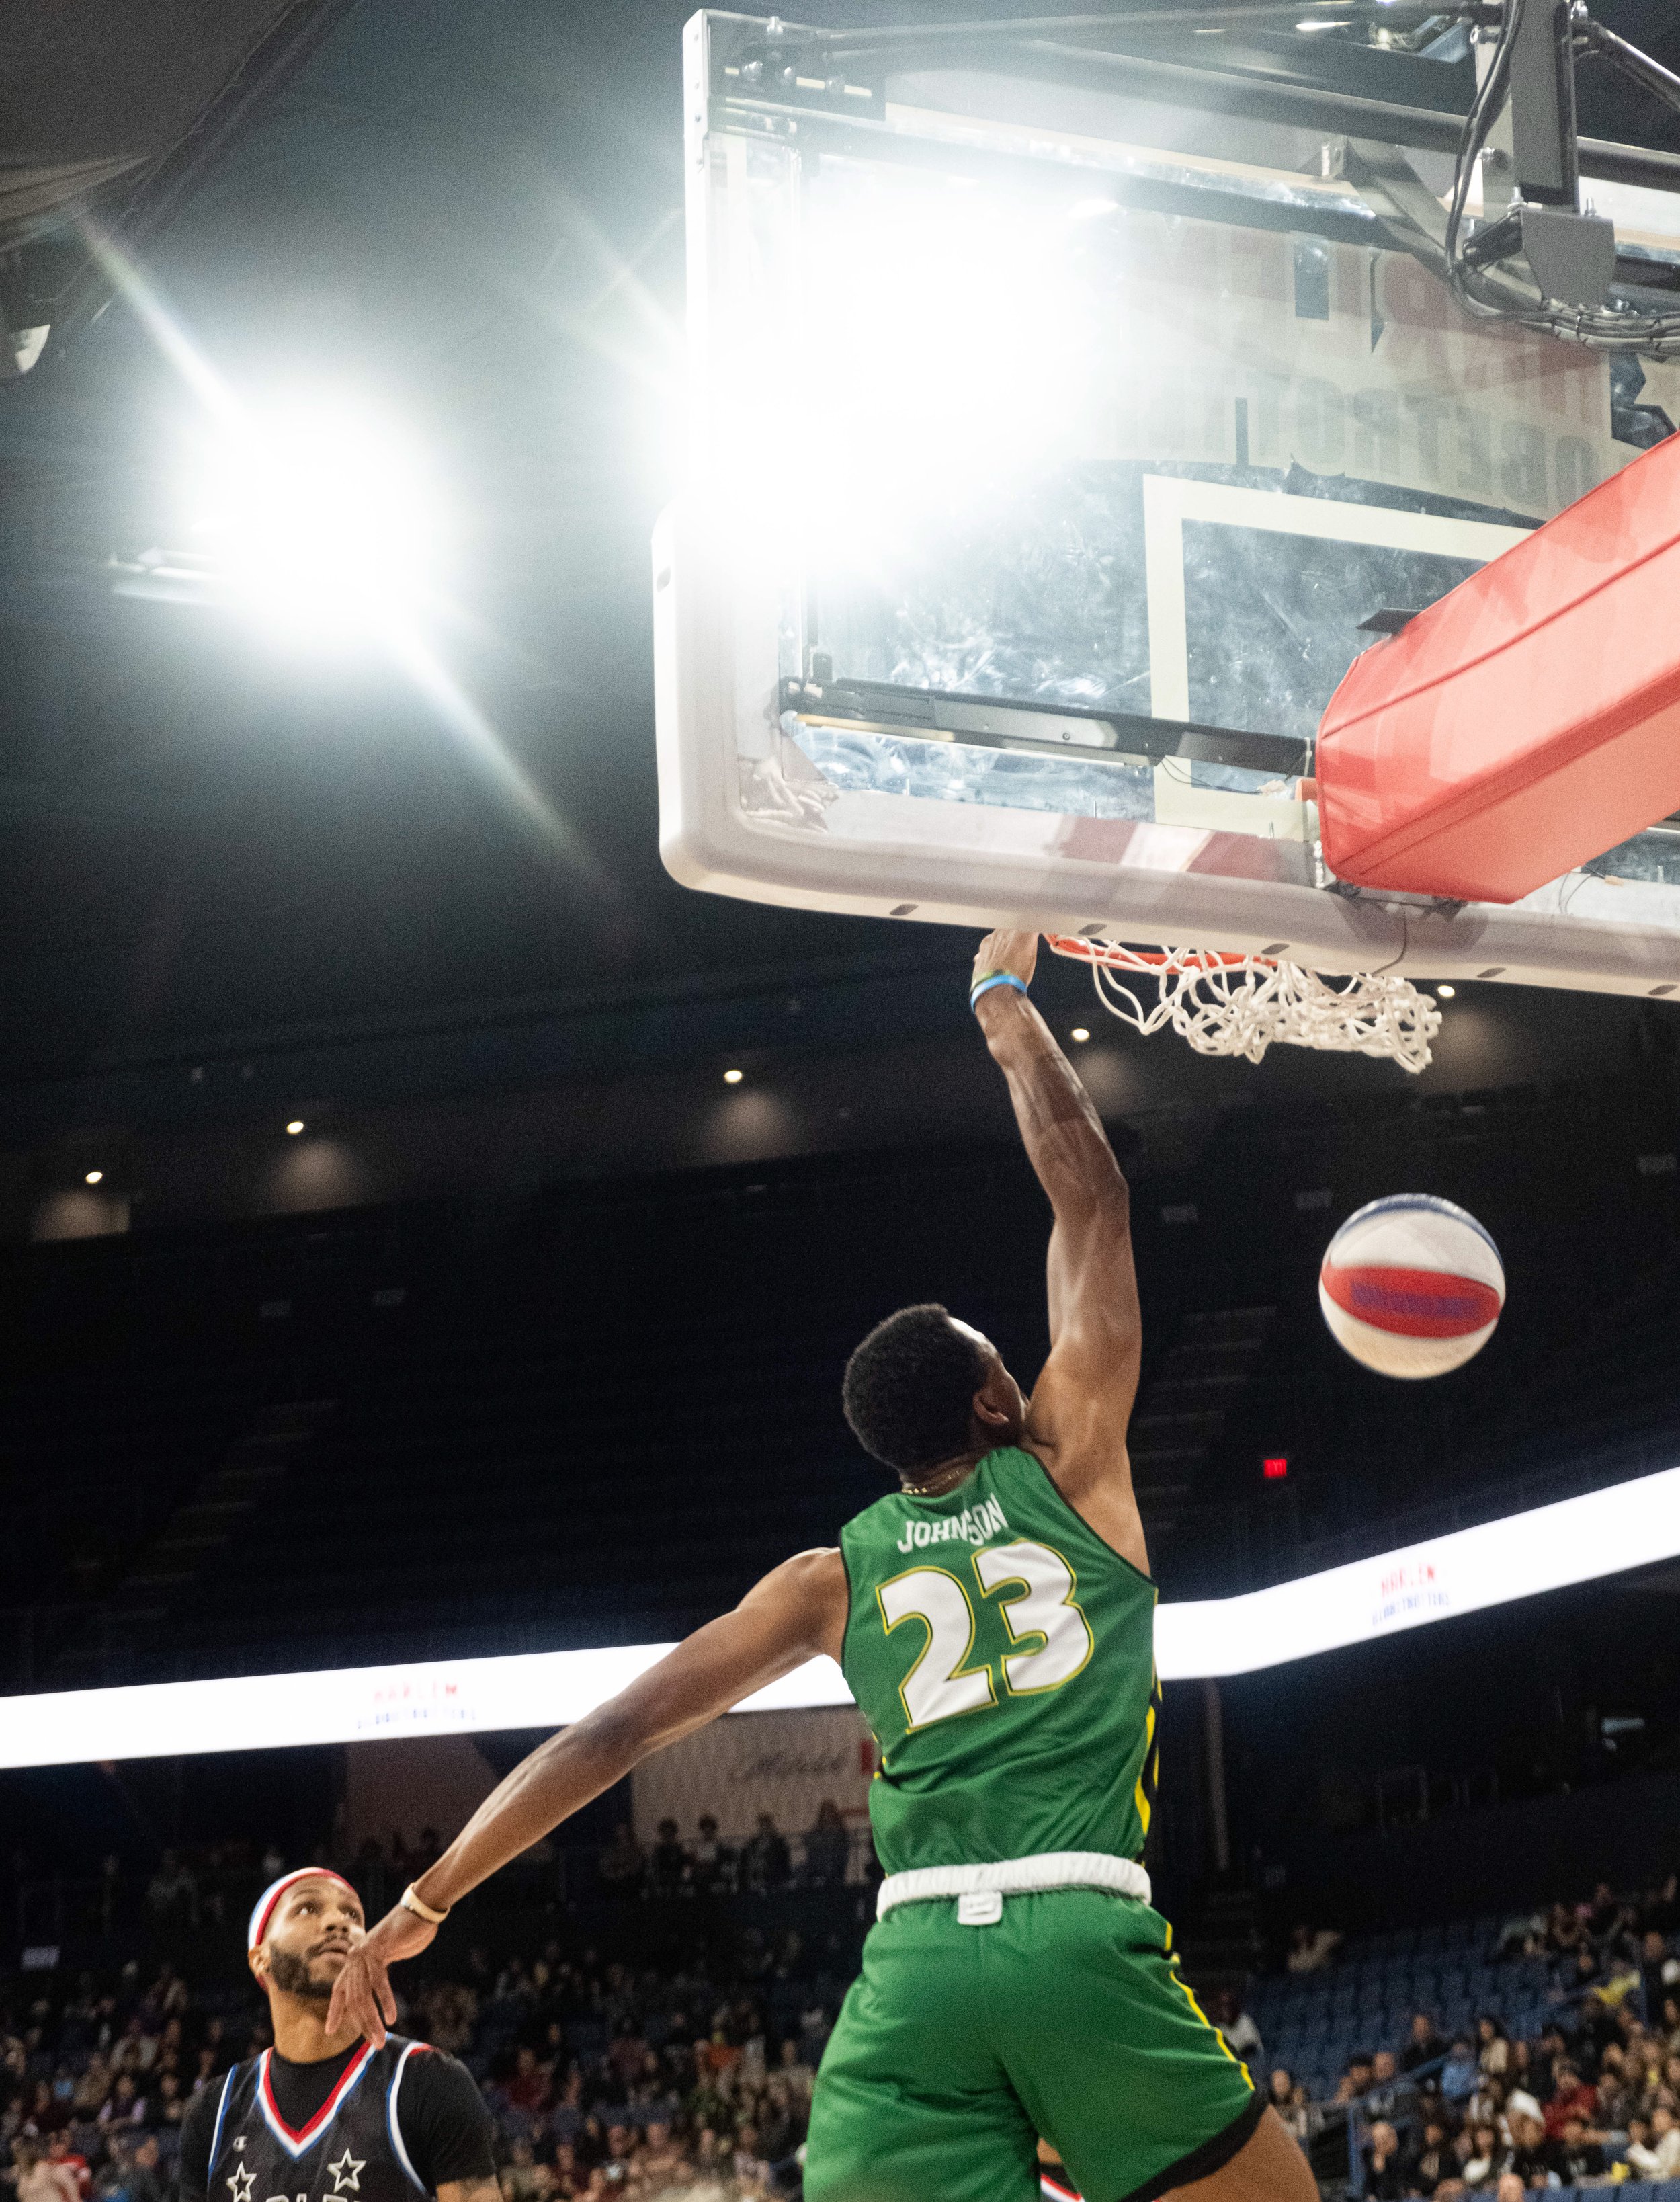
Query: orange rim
x=1100, y=951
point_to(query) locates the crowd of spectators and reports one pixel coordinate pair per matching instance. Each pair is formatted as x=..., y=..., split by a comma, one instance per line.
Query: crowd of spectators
x=210, y=1889
x=1592, y=2096
x=709, y=1866
x=693, y=2079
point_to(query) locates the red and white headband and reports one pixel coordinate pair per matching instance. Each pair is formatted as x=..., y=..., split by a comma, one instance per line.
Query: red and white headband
x=271, y=1896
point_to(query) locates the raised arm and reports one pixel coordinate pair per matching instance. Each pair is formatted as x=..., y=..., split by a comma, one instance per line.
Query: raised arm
x=1080, y=1406
x=796, y=1613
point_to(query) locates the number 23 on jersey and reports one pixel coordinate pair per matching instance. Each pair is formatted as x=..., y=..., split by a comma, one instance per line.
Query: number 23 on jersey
x=942, y=1683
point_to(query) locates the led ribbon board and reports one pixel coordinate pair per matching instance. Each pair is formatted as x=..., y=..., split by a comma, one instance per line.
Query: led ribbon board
x=1547, y=1548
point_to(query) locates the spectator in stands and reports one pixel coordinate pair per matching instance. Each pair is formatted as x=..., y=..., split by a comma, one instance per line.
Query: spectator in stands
x=1533, y=2158
x=1461, y=2073
x=135, y=2050
x=1573, y=2097
x=1357, y=2077
x=715, y=1862
x=172, y=1893
x=1305, y=2119
x=39, y=2180
x=127, y=2105
x=1423, y=2046
x=1486, y=2106
x=169, y=2106
x=765, y=1862
x=528, y=2088
x=1381, y=2097
x=627, y=2055
x=131, y=2172
x=620, y=1863
x=61, y=2152
x=1493, y=2050
x=1580, y=2158
x=1660, y=1973
x=1543, y=2058
x=827, y=1847
x=781, y=2124
x=46, y=2114
x=1311, y=1950
x=1523, y=1935
x=523, y=2179
x=668, y=1862
x=1606, y=1914
x=1384, y=2178
x=1614, y=2101
x=1659, y=2159
x=1585, y=1975
x=1432, y=2162
x=800, y=2076
x=1510, y=2188
x=1481, y=2157
x=91, y=2088
x=1243, y=2036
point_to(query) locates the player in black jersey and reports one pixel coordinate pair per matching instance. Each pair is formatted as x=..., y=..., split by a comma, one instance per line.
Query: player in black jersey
x=324, y=2117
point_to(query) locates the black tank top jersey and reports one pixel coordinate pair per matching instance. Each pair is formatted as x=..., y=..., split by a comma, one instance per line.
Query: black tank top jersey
x=352, y=2150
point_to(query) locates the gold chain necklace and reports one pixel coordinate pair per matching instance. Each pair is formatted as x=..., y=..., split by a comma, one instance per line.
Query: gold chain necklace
x=928, y=1490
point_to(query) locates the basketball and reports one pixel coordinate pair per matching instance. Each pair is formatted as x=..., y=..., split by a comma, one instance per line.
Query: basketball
x=1412, y=1285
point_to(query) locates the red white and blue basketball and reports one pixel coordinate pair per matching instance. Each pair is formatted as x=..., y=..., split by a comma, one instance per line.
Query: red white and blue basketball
x=1412, y=1285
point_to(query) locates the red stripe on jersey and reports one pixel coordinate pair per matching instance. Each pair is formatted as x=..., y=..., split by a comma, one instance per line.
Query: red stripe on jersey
x=300, y=2136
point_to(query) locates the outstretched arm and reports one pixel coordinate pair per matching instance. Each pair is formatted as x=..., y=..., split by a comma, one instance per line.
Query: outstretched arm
x=1080, y=1406
x=797, y=1613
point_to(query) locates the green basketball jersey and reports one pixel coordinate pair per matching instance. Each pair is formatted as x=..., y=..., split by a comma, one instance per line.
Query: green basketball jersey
x=1004, y=1657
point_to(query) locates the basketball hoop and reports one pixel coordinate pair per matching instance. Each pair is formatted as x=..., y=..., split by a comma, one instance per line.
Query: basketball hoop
x=1231, y=1004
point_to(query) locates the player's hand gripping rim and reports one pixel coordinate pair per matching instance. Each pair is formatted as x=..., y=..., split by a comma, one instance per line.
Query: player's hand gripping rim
x=1004, y=950
x=362, y=1998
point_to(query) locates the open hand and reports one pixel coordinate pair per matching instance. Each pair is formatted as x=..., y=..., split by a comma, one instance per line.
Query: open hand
x=1003, y=950
x=361, y=1995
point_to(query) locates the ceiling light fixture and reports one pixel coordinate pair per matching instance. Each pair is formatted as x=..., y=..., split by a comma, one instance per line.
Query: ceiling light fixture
x=1079, y=1032
x=731, y=1077
x=317, y=518
x=94, y=1177
x=296, y=1125
x=1447, y=992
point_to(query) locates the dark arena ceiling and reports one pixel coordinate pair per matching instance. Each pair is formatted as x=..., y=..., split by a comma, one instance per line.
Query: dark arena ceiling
x=214, y=853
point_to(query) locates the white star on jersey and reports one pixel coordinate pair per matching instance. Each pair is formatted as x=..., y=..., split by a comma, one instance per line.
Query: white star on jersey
x=242, y=2183
x=346, y=2174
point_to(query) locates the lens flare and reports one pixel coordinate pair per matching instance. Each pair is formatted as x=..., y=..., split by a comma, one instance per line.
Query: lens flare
x=317, y=518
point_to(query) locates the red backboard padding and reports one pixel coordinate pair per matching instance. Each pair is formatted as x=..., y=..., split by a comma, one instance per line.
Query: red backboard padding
x=1529, y=721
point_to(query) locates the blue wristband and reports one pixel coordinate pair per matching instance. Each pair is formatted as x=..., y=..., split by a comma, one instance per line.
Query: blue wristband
x=997, y=979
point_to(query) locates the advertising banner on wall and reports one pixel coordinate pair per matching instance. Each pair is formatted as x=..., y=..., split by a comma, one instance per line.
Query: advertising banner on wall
x=786, y=1763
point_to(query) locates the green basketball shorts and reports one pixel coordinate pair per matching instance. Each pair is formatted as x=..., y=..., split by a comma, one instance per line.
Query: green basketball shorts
x=959, y=2046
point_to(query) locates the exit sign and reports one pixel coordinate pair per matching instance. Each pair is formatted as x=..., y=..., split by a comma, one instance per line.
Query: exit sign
x=1275, y=1468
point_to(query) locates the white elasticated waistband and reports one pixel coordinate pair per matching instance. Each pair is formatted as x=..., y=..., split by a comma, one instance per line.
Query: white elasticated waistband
x=1026, y=1876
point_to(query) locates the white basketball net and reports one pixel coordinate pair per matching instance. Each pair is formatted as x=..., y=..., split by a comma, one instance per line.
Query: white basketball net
x=1228, y=1004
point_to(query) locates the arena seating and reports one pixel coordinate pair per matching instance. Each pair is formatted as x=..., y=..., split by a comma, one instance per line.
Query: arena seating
x=1313, y=2023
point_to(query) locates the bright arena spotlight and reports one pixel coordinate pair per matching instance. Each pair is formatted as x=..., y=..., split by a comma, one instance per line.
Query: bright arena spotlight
x=321, y=520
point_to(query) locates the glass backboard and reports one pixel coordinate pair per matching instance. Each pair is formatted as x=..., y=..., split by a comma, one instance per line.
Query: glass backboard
x=1059, y=422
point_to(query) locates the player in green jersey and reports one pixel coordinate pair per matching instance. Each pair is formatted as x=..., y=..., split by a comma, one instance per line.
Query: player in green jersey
x=994, y=1616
